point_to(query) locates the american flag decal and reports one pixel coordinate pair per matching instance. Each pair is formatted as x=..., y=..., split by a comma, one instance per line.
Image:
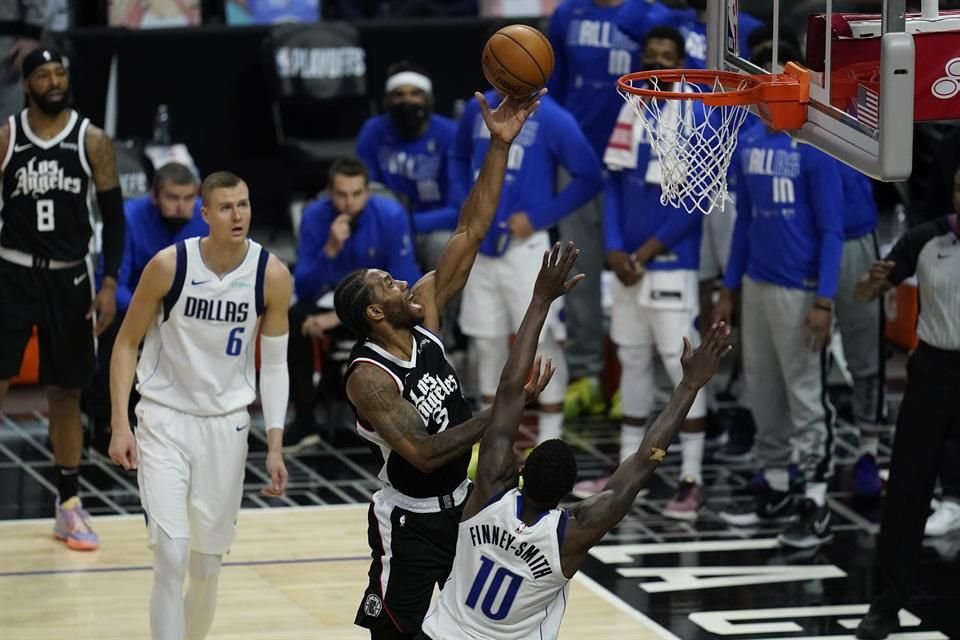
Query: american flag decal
x=868, y=106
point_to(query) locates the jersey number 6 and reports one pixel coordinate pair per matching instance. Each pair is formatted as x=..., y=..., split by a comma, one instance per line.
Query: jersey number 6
x=235, y=341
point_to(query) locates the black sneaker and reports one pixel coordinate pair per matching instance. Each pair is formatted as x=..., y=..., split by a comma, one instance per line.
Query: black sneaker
x=769, y=506
x=877, y=624
x=300, y=435
x=811, y=529
x=739, y=445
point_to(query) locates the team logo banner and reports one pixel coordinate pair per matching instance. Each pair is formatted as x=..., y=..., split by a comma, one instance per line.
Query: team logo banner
x=319, y=60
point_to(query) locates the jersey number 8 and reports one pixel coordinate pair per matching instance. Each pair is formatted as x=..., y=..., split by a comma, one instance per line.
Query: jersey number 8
x=45, y=215
x=493, y=591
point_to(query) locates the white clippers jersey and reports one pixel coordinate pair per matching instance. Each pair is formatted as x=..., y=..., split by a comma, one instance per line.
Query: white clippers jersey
x=198, y=356
x=506, y=582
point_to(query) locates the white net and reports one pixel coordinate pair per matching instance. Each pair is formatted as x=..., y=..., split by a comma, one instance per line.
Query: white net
x=694, y=142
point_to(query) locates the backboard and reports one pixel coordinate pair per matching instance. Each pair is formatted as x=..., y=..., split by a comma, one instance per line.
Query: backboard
x=862, y=89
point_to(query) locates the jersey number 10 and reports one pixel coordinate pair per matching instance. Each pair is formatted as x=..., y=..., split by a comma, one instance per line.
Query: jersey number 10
x=501, y=576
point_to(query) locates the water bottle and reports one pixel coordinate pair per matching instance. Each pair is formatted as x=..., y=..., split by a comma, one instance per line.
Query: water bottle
x=161, y=127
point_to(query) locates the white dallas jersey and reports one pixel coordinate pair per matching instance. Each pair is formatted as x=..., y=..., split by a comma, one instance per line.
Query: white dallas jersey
x=506, y=582
x=198, y=356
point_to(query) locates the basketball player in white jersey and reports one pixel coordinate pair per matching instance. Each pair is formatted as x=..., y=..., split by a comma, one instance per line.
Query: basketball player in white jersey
x=517, y=550
x=201, y=304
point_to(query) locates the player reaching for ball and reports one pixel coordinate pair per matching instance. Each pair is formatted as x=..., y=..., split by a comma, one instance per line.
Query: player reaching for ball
x=410, y=406
x=517, y=549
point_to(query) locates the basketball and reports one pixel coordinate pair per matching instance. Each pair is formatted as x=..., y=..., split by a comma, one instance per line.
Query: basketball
x=517, y=60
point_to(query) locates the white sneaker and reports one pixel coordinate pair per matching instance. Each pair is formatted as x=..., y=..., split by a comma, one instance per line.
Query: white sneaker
x=944, y=520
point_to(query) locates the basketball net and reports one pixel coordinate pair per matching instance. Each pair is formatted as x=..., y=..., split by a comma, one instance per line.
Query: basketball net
x=693, y=141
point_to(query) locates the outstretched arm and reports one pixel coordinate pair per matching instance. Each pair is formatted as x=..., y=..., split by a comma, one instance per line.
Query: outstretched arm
x=480, y=207
x=592, y=518
x=379, y=405
x=496, y=468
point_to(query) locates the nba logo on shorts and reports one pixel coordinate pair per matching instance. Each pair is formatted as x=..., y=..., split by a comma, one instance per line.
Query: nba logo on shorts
x=733, y=26
x=372, y=606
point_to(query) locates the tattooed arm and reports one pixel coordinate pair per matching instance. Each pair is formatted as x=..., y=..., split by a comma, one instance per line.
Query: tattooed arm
x=379, y=405
x=103, y=164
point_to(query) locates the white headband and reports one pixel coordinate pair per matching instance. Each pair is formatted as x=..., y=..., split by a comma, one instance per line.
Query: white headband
x=411, y=78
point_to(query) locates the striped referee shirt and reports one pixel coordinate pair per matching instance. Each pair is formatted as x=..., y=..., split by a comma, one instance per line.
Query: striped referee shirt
x=932, y=252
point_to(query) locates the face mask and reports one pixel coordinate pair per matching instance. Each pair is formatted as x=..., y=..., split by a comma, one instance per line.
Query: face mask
x=653, y=66
x=408, y=117
x=175, y=224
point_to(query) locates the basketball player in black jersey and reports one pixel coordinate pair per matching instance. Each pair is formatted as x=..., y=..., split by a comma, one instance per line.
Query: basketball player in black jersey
x=409, y=404
x=51, y=155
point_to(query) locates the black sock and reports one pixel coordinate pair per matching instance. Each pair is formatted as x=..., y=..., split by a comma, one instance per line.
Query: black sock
x=68, y=482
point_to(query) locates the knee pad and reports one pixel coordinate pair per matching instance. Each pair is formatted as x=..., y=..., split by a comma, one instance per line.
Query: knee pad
x=491, y=356
x=636, y=380
x=554, y=392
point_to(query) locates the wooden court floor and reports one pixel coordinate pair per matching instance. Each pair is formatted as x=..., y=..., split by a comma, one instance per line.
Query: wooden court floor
x=293, y=574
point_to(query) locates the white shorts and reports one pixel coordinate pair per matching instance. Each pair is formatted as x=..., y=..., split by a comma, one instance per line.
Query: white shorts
x=190, y=473
x=716, y=241
x=499, y=289
x=658, y=311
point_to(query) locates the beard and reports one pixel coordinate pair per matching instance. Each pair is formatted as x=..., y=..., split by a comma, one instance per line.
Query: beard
x=403, y=317
x=50, y=106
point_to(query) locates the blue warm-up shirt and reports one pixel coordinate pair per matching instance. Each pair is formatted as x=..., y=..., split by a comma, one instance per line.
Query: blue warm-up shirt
x=590, y=54
x=860, y=214
x=790, y=212
x=550, y=138
x=417, y=170
x=147, y=234
x=636, y=17
x=380, y=239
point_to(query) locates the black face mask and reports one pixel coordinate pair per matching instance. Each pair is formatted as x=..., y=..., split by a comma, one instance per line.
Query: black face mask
x=408, y=117
x=175, y=224
x=653, y=66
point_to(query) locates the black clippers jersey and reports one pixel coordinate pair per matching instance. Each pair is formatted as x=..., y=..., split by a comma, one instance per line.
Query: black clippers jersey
x=431, y=385
x=45, y=209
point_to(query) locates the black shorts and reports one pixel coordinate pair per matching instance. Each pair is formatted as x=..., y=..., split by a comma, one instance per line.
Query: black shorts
x=412, y=552
x=56, y=301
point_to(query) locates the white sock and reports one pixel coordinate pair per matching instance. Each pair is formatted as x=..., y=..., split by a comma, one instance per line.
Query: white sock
x=869, y=445
x=691, y=455
x=200, y=603
x=817, y=491
x=551, y=426
x=170, y=559
x=630, y=438
x=778, y=479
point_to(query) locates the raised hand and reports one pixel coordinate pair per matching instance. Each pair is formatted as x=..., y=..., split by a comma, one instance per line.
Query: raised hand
x=552, y=280
x=539, y=379
x=700, y=365
x=506, y=121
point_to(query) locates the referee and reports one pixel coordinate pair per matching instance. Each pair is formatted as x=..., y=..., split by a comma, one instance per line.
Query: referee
x=928, y=415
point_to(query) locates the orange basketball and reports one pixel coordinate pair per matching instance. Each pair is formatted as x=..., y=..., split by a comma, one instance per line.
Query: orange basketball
x=517, y=60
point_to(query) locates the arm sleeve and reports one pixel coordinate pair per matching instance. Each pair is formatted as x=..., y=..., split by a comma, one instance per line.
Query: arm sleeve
x=612, y=231
x=274, y=380
x=824, y=185
x=580, y=161
x=557, y=33
x=401, y=261
x=124, y=294
x=459, y=159
x=314, y=268
x=435, y=220
x=367, y=150
x=740, y=244
x=114, y=230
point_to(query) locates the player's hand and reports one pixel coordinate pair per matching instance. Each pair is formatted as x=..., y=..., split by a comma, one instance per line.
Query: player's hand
x=506, y=121
x=723, y=309
x=625, y=267
x=339, y=233
x=539, y=379
x=552, y=280
x=278, y=475
x=818, y=324
x=103, y=308
x=20, y=49
x=520, y=226
x=123, y=446
x=700, y=365
x=318, y=324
